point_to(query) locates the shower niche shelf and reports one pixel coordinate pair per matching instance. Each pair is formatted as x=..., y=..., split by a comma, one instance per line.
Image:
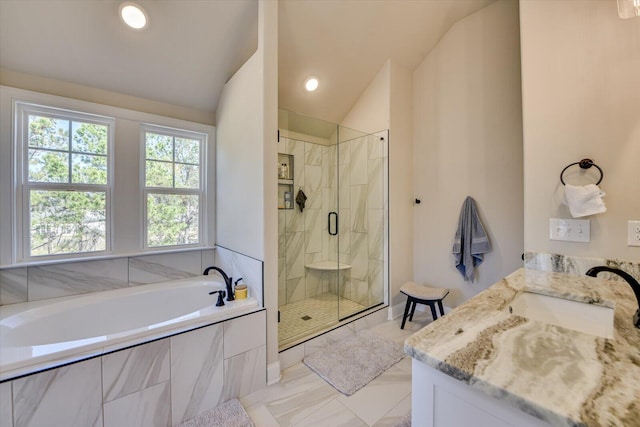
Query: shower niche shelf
x=285, y=181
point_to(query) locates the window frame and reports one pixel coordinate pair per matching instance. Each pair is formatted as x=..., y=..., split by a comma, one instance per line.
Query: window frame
x=201, y=191
x=22, y=111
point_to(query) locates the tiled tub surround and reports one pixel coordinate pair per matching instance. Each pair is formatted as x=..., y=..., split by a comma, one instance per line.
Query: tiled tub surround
x=303, y=236
x=34, y=283
x=560, y=376
x=160, y=383
x=43, y=334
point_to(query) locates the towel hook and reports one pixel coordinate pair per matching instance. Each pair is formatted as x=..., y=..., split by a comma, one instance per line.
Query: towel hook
x=584, y=164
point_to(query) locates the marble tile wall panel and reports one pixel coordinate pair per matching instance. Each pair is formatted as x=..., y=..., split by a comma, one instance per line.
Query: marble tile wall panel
x=295, y=255
x=6, y=405
x=329, y=167
x=149, y=407
x=359, y=256
x=577, y=265
x=250, y=270
x=344, y=187
x=196, y=372
x=245, y=373
x=313, y=186
x=359, y=208
x=281, y=232
x=160, y=268
x=376, y=147
x=296, y=289
x=294, y=220
x=358, y=161
x=313, y=283
x=51, y=281
x=312, y=154
x=360, y=291
x=375, y=181
x=134, y=369
x=244, y=333
x=344, y=237
x=313, y=231
x=376, y=281
x=297, y=149
x=282, y=281
x=344, y=153
x=13, y=285
x=67, y=396
x=375, y=236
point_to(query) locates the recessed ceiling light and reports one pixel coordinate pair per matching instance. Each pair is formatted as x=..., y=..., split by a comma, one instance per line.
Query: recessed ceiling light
x=311, y=84
x=133, y=15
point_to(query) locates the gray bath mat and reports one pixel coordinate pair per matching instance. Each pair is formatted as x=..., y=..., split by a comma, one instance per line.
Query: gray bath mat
x=229, y=414
x=352, y=363
x=404, y=422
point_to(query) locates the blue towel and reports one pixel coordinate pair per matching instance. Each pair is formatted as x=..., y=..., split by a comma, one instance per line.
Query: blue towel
x=471, y=241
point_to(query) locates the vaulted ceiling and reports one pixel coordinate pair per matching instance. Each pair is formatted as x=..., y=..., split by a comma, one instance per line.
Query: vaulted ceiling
x=192, y=47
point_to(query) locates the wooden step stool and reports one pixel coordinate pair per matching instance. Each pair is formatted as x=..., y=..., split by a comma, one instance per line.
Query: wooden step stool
x=420, y=294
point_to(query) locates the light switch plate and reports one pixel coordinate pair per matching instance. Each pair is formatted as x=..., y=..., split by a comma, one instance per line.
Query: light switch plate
x=570, y=230
x=633, y=236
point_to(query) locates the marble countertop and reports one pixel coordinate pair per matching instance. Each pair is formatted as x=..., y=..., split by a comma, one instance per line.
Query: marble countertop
x=561, y=376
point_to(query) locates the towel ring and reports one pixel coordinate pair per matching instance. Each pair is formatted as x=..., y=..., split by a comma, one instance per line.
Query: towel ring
x=584, y=164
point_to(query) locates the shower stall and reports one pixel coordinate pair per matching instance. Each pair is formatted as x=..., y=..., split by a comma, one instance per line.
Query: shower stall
x=332, y=224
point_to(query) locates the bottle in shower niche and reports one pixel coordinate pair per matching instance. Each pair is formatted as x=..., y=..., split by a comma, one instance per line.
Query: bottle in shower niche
x=285, y=171
x=287, y=200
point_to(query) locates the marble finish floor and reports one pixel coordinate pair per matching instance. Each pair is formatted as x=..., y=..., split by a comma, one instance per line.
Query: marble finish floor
x=320, y=311
x=302, y=398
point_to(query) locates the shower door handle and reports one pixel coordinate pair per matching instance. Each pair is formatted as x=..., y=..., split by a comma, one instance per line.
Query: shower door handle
x=335, y=214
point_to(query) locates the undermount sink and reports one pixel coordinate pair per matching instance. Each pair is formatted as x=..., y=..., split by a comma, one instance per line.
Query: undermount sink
x=585, y=317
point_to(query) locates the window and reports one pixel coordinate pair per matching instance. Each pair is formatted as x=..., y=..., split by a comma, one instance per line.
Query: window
x=64, y=176
x=173, y=189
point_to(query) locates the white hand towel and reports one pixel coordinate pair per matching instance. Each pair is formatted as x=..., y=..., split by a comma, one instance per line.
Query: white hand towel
x=584, y=200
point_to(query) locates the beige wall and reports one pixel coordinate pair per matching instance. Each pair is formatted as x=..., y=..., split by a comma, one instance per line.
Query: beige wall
x=370, y=113
x=246, y=210
x=468, y=141
x=104, y=97
x=580, y=71
x=401, y=185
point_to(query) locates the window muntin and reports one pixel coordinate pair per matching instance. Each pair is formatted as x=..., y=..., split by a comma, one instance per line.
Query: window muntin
x=65, y=181
x=174, y=195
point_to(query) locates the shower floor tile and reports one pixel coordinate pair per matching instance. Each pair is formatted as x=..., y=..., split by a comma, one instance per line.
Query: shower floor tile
x=309, y=315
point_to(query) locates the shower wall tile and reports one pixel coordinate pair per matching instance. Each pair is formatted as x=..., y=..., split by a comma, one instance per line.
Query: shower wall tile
x=359, y=208
x=196, y=372
x=244, y=333
x=160, y=268
x=134, y=369
x=223, y=259
x=310, y=258
x=359, y=256
x=329, y=200
x=376, y=147
x=329, y=167
x=13, y=285
x=312, y=154
x=149, y=407
x=313, y=283
x=344, y=244
x=295, y=255
x=294, y=220
x=245, y=373
x=51, y=398
x=282, y=281
x=376, y=281
x=344, y=187
x=250, y=270
x=344, y=153
x=313, y=186
x=375, y=197
x=360, y=291
x=313, y=231
x=297, y=148
x=295, y=289
x=6, y=405
x=359, y=157
x=74, y=278
x=375, y=234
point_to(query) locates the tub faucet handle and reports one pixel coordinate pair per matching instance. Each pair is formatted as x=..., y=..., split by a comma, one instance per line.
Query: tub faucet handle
x=221, y=295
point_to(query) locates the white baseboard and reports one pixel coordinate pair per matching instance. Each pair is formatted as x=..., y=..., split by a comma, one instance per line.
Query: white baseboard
x=273, y=373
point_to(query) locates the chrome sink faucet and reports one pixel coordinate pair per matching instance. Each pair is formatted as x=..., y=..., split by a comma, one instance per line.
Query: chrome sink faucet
x=227, y=280
x=593, y=272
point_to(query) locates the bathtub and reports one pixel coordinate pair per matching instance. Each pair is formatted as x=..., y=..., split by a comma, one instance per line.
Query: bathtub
x=40, y=335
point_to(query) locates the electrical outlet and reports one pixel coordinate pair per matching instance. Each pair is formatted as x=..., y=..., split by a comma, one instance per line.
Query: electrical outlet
x=633, y=235
x=570, y=230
